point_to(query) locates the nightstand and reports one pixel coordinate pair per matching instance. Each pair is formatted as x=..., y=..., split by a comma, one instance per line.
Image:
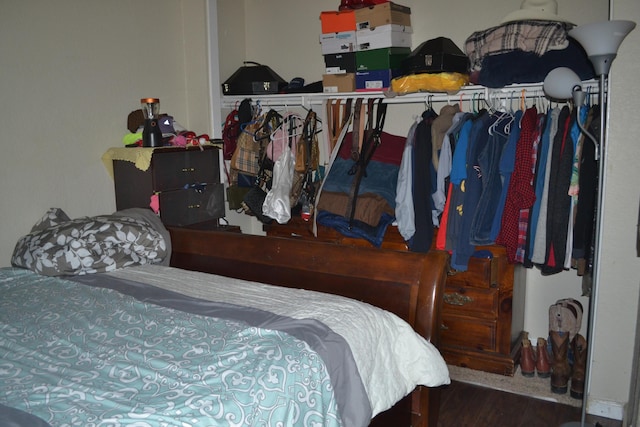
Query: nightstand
x=479, y=330
x=185, y=180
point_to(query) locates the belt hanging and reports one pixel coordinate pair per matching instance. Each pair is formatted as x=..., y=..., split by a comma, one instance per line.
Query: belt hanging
x=347, y=120
x=369, y=146
x=338, y=116
x=358, y=130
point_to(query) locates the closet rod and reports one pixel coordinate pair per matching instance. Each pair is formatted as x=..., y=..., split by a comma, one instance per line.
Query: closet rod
x=468, y=93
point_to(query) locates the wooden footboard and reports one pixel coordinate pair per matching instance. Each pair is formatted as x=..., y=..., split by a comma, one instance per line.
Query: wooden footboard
x=408, y=284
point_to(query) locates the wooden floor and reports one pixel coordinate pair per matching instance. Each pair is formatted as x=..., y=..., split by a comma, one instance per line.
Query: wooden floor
x=467, y=405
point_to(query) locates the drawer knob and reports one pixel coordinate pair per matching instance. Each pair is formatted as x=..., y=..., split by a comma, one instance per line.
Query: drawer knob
x=188, y=169
x=457, y=299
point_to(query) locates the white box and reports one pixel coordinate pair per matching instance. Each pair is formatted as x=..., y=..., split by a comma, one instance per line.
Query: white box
x=391, y=35
x=343, y=42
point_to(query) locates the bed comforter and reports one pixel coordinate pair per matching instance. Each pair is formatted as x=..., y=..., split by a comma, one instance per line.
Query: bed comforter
x=74, y=355
x=94, y=332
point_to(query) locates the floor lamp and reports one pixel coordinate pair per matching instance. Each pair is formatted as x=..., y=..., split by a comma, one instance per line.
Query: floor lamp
x=601, y=41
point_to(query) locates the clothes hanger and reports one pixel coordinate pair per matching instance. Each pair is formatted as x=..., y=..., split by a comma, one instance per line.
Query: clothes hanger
x=294, y=121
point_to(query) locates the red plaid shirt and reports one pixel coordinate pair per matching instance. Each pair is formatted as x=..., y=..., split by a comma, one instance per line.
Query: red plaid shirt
x=520, y=194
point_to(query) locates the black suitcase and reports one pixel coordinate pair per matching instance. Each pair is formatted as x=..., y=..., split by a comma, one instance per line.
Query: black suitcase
x=439, y=55
x=254, y=79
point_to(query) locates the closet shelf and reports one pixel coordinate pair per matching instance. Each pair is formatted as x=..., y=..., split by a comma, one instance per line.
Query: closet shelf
x=467, y=93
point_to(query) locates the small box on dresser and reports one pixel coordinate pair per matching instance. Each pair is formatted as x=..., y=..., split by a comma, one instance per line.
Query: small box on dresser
x=186, y=181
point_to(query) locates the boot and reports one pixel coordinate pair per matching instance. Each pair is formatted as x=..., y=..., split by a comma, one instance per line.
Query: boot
x=561, y=371
x=563, y=316
x=527, y=363
x=576, y=309
x=543, y=367
x=579, y=346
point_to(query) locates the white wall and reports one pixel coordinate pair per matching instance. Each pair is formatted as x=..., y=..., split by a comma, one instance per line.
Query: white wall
x=618, y=295
x=71, y=71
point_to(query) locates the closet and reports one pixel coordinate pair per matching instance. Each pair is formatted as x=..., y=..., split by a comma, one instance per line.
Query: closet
x=482, y=322
x=495, y=347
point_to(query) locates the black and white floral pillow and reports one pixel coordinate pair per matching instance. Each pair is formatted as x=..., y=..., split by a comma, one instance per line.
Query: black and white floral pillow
x=58, y=246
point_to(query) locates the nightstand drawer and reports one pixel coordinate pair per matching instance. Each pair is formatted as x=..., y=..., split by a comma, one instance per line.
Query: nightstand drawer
x=173, y=170
x=468, y=333
x=471, y=301
x=190, y=206
x=481, y=272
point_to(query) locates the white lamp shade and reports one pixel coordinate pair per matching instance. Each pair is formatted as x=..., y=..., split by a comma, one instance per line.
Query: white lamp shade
x=560, y=83
x=601, y=41
x=602, y=38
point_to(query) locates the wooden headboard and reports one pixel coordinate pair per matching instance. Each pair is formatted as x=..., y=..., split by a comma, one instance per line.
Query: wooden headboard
x=411, y=285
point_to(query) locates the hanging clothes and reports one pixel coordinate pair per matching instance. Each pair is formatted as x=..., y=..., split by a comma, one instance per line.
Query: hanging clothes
x=458, y=177
x=523, y=221
x=520, y=193
x=489, y=167
x=540, y=241
x=445, y=161
x=574, y=187
x=585, y=211
x=439, y=129
x=507, y=163
x=478, y=140
x=551, y=124
x=559, y=201
x=404, y=210
x=422, y=189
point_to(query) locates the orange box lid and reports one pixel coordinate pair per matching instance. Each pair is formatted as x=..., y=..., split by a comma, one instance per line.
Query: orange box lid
x=338, y=21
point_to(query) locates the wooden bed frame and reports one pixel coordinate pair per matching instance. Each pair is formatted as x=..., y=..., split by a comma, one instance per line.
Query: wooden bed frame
x=408, y=284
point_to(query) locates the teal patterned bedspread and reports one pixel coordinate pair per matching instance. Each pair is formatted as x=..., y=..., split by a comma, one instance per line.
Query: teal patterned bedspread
x=78, y=355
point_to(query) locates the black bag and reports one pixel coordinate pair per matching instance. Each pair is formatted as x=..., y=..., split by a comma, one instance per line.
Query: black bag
x=439, y=55
x=253, y=201
x=235, y=196
x=253, y=80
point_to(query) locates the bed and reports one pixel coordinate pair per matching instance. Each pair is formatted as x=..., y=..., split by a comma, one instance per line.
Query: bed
x=237, y=330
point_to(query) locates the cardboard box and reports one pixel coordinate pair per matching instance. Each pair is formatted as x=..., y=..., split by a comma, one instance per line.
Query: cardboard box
x=338, y=21
x=381, y=59
x=391, y=35
x=344, y=42
x=334, y=83
x=374, y=79
x=382, y=14
x=339, y=63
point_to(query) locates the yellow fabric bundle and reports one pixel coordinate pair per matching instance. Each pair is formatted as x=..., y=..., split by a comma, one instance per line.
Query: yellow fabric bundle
x=429, y=82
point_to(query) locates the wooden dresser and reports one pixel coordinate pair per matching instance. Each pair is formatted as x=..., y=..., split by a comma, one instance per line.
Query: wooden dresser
x=478, y=329
x=186, y=181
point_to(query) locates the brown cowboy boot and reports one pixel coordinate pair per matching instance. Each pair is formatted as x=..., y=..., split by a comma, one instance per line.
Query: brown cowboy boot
x=527, y=363
x=543, y=367
x=579, y=346
x=561, y=371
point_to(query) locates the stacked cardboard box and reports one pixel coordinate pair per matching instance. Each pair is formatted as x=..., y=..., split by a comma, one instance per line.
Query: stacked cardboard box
x=363, y=48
